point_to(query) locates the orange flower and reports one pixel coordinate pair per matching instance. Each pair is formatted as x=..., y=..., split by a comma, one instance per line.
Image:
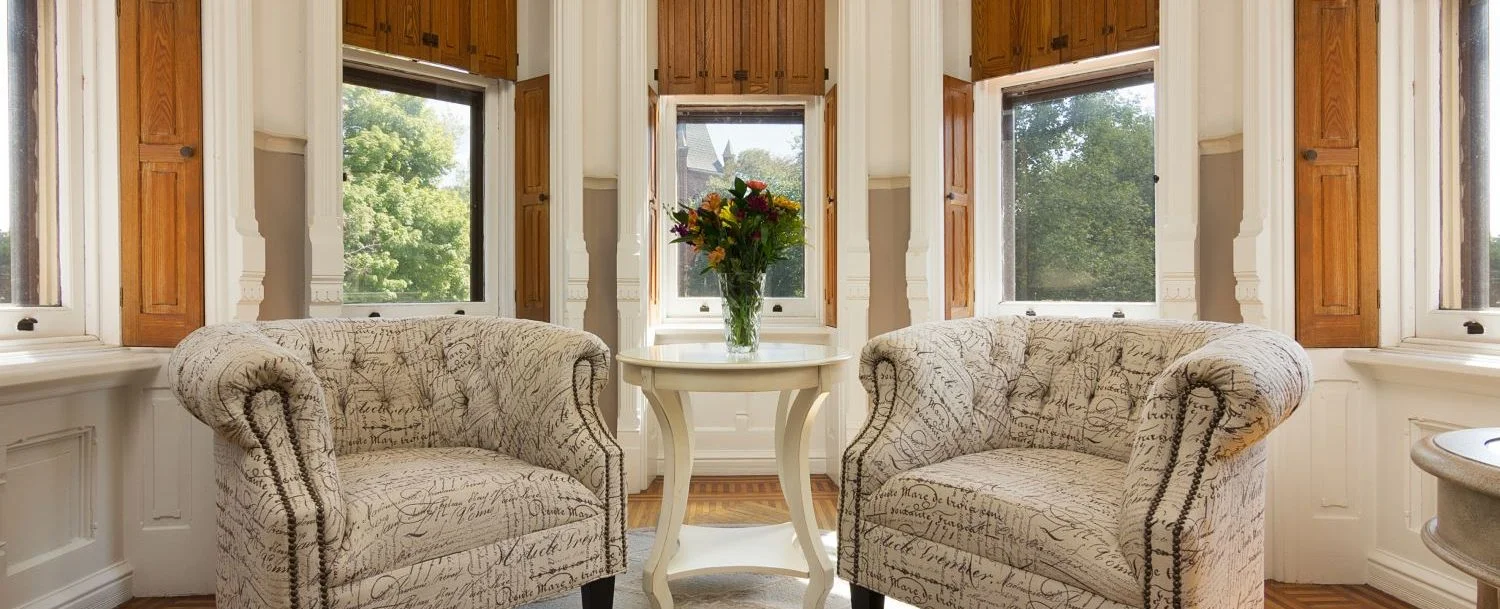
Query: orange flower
x=712, y=201
x=756, y=185
x=716, y=256
x=692, y=221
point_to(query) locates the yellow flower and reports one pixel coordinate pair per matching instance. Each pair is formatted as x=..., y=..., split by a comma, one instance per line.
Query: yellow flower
x=716, y=256
x=726, y=214
x=785, y=203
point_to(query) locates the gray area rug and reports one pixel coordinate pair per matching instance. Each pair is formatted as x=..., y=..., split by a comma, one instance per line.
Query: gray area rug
x=736, y=591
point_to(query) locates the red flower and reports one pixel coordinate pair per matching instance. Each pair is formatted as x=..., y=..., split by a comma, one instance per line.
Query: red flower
x=756, y=185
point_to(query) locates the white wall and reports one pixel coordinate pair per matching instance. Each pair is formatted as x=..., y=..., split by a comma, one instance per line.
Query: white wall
x=280, y=72
x=533, y=37
x=957, y=35
x=1220, y=68
x=888, y=127
x=601, y=89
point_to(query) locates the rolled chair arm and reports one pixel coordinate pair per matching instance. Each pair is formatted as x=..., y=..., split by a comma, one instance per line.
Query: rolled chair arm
x=1197, y=446
x=259, y=397
x=923, y=383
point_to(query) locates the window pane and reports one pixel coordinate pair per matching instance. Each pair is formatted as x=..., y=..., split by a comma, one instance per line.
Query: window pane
x=409, y=192
x=28, y=213
x=711, y=153
x=1082, y=199
x=1471, y=239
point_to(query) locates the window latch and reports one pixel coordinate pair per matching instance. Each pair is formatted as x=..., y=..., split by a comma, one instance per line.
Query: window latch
x=775, y=308
x=374, y=313
x=1030, y=312
x=1474, y=327
x=1118, y=314
x=703, y=308
x=27, y=324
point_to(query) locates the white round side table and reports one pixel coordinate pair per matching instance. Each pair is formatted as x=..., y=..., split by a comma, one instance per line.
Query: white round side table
x=666, y=373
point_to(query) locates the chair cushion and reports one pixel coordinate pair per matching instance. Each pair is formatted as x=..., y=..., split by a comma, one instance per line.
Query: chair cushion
x=1050, y=512
x=408, y=505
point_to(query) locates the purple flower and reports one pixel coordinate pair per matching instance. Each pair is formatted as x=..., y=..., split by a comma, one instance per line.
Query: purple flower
x=758, y=203
x=680, y=230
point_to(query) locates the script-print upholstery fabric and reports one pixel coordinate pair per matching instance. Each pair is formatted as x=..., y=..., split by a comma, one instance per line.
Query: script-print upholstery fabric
x=299, y=406
x=1178, y=408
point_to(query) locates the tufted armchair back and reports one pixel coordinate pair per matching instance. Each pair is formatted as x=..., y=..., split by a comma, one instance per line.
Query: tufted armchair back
x=1082, y=384
x=412, y=383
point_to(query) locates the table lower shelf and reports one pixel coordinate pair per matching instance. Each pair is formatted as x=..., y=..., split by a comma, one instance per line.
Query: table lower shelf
x=763, y=549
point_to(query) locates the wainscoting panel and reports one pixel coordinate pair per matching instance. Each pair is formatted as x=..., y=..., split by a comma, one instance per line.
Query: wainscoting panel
x=169, y=497
x=49, y=499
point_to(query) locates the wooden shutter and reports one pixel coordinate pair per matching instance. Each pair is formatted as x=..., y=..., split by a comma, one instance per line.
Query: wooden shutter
x=759, y=47
x=958, y=208
x=1337, y=173
x=802, y=47
x=161, y=171
x=533, y=242
x=996, y=41
x=1086, y=25
x=718, y=50
x=1041, y=24
x=831, y=209
x=362, y=19
x=408, y=20
x=655, y=225
x=494, y=36
x=679, y=43
x=1137, y=23
x=450, y=23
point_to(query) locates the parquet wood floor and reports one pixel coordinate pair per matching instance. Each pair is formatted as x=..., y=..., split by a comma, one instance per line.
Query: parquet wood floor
x=757, y=500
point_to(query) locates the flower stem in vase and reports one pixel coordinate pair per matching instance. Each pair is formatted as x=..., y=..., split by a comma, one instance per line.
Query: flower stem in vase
x=742, y=295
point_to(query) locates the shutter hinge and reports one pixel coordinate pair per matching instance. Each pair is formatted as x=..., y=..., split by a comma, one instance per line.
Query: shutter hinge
x=825, y=73
x=1377, y=299
x=655, y=73
x=122, y=297
x=971, y=61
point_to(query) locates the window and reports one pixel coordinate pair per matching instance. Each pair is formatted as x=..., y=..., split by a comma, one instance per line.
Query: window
x=712, y=145
x=413, y=190
x=1078, y=194
x=38, y=290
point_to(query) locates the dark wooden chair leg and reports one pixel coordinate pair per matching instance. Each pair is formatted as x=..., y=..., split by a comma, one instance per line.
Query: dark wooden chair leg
x=599, y=594
x=861, y=597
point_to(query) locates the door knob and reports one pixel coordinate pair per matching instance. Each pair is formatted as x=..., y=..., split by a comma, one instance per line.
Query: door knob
x=542, y=197
x=187, y=152
x=950, y=196
x=1310, y=154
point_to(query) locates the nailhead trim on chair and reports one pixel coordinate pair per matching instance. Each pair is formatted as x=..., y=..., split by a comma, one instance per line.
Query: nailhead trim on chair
x=291, y=431
x=859, y=471
x=1161, y=491
x=583, y=413
x=1187, y=504
x=286, y=502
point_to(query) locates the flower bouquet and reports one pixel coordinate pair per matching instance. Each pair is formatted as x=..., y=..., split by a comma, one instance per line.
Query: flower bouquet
x=743, y=234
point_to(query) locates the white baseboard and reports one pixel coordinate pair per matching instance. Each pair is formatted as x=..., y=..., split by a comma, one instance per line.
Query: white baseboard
x=733, y=464
x=107, y=588
x=1417, y=584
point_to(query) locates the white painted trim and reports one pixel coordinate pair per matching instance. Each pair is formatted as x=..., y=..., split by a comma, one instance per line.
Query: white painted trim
x=1177, y=161
x=926, y=293
x=282, y=143
x=632, y=260
x=73, y=371
x=741, y=463
x=234, y=253
x=570, y=262
x=1264, y=268
x=325, y=159
x=989, y=254
x=1416, y=584
x=889, y=182
x=106, y=588
x=99, y=54
x=1221, y=145
x=604, y=183
x=849, y=405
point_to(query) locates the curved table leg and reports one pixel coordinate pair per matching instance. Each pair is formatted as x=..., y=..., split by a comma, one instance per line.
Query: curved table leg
x=792, y=435
x=674, y=417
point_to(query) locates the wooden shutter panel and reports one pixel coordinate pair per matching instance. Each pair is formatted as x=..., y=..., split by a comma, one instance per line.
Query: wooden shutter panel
x=655, y=225
x=679, y=41
x=1337, y=198
x=1086, y=24
x=1041, y=24
x=362, y=23
x=408, y=20
x=161, y=171
x=996, y=42
x=1136, y=24
x=958, y=208
x=533, y=177
x=450, y=22
x=494, y=37
x=831, y=209
x=759, y=47
x=802, y=47
x=718, y=45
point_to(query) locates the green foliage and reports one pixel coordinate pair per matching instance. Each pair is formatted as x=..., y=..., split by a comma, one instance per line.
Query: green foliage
x=406, y=236
x=742, y=234
x=1085, y=199
x=783, y=175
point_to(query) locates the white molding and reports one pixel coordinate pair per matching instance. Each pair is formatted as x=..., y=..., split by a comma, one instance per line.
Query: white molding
x=234, y=251
x=325, y=159
x=1419, y=585
x=63, y=372
x=889, y=182
x=606, y=183
x=847, y=412
x=1221, y=145
x=1177, y=157
x=106, y=588
x=742, y=463
x=925, y=287
x=632, y=259
x=279, y=142
x=1263, y=259
x=570, y=262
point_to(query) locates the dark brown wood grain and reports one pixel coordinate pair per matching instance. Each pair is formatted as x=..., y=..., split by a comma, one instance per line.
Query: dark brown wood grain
x=1135, y=24
x=801, y=47
x=363, y=21
x=161, y=171
x=533, y=209
x=494, y=36
x=996, y=38
x=1337, y=174
x=958, y=197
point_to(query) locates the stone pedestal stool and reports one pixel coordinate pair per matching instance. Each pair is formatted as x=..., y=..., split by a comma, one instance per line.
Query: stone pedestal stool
x=1467, y=466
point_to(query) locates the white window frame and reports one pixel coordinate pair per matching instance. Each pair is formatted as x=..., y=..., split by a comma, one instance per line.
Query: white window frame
x=992, y=221
x=498, y=187
x=806, y=311
x=61, y=155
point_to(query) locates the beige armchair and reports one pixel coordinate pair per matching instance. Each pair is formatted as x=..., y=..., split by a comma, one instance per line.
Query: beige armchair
x=436, y=462
x=1057, y=463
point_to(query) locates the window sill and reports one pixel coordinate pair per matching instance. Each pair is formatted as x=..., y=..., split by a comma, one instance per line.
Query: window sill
x=71, y=367
x=1425, y=365
x=679, y=331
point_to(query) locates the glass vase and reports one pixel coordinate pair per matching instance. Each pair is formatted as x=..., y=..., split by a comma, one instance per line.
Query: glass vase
x=743, y=295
